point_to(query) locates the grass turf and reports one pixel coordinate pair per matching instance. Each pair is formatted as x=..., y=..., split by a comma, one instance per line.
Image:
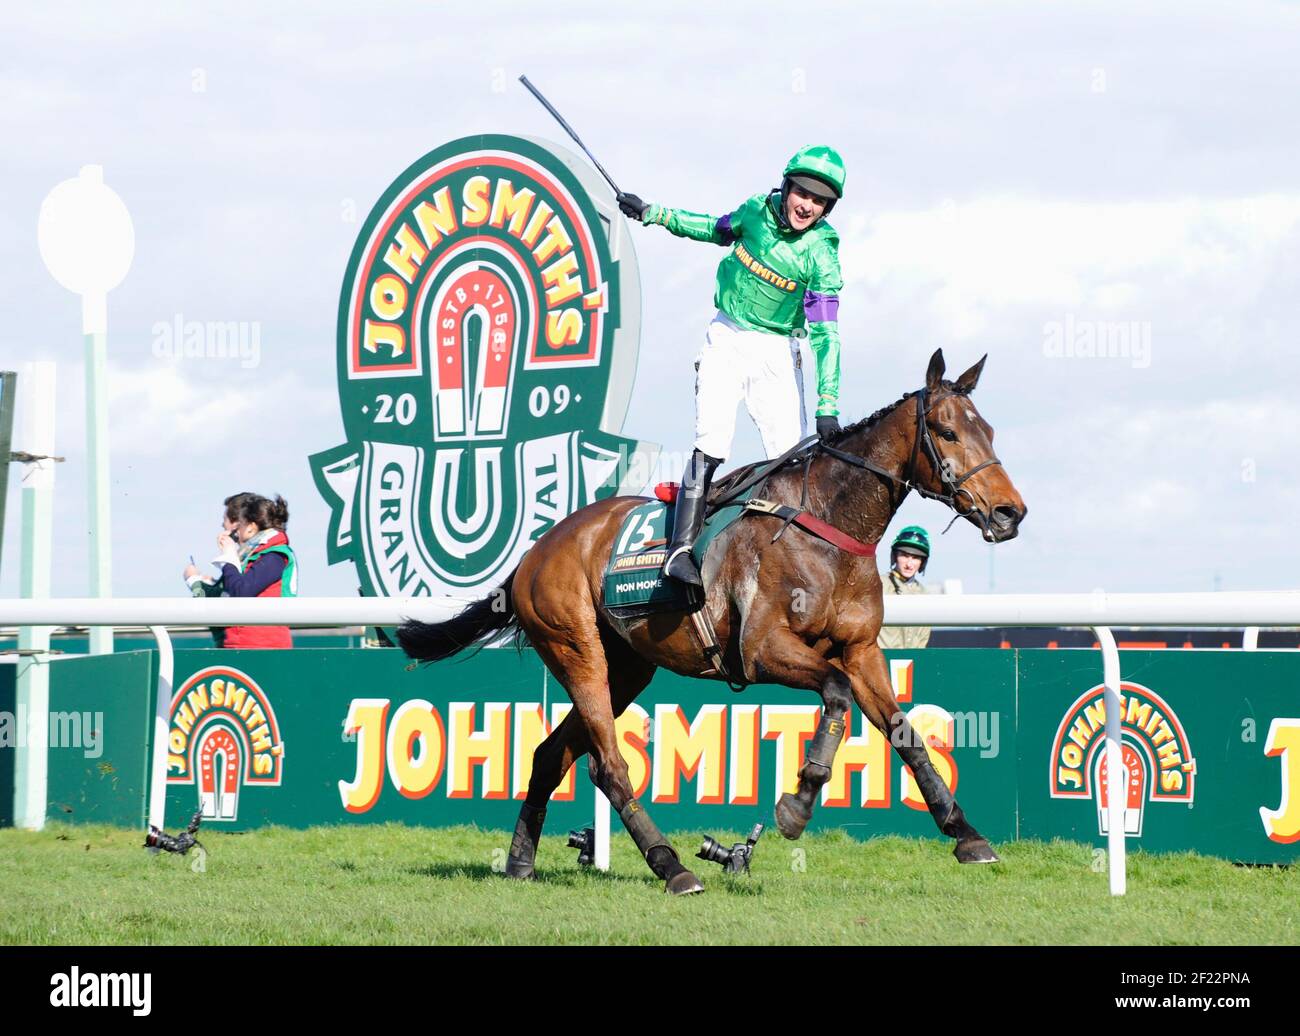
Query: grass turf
x=396, y=884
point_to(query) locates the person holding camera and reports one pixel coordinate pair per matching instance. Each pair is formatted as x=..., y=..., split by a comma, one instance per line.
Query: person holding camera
x=255, y=560
x=908, y=556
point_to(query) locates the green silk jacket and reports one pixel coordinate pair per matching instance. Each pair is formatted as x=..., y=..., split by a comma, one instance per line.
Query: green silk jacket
x=774, y=278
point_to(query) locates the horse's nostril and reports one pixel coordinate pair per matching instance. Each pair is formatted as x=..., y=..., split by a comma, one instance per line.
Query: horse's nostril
x=1006, y=516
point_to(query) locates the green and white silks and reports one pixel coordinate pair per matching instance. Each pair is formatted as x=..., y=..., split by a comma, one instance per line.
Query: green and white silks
x=774, y=279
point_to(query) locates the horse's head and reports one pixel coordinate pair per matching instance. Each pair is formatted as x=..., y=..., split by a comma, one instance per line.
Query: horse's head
x=953, y=458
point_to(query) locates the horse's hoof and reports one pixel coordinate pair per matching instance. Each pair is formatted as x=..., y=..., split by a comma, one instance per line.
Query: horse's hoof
x=521, y=871
x=791, y=816
x=975, y=850
x=683, y=883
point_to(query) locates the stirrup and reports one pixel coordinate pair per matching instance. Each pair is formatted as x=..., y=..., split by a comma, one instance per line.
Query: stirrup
x=681, y=566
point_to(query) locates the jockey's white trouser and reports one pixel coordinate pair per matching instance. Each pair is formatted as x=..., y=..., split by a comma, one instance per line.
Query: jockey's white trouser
x=763, y=369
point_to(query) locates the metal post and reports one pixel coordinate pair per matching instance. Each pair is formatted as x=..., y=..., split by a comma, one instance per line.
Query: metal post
x=33, y=698
x=87, y=241
x=161, y=723
x=1116, y=770
x=97, y=496
x=600, y=857
x=8, y=383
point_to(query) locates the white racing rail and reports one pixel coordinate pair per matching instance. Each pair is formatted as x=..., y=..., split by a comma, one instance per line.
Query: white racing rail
x=1097, y=611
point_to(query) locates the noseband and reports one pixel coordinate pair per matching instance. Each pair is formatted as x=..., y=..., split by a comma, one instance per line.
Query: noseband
x=923, y=441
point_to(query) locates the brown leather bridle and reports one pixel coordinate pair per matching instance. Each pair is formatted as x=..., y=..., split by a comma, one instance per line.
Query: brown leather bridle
x=923, y=441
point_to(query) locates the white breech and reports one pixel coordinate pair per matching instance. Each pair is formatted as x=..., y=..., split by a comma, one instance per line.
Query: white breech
x=763, y=369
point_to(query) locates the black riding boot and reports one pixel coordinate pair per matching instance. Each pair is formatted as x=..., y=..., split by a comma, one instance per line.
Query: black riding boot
x=688, y=518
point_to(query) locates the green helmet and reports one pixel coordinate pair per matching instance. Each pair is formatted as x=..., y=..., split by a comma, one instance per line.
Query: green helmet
x=817, y=168
x=912, y=540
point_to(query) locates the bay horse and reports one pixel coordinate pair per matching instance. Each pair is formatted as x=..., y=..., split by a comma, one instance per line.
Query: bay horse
x=794, y=610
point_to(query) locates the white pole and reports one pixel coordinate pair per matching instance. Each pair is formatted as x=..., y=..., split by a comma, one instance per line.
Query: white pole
x=1250, y=638
x=87, y=242
x=161, y=724
x=1267, y=608
x=97, y=496
x=600, y=857
x=1117, y=772
x=31, y=777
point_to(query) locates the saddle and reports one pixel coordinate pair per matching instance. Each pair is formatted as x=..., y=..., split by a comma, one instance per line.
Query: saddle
x=635, y=587
x=634, y=584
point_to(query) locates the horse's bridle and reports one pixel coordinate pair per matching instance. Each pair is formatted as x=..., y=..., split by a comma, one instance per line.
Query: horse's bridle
x=924, y=440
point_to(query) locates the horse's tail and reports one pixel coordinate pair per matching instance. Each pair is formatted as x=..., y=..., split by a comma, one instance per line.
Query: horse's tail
x=434, y=641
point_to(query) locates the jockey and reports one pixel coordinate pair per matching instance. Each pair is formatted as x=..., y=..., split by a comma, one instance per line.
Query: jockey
x=779, y=283
x=908, y=555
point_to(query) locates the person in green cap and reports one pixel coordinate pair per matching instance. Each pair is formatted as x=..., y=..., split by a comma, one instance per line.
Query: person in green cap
x=778, y=284
x=908, y=556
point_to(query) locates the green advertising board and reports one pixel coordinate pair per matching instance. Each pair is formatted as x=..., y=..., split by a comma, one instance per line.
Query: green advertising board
x=315, y=737
x=101, y=715
x=334, y=735
x=97, y=735
x=1207, y=736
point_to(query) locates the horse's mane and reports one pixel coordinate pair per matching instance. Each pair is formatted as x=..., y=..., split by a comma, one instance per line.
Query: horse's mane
x=733, y=478
x=883, y=412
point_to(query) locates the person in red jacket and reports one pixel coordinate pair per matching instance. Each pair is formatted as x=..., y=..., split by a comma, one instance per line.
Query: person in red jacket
x=255, y=560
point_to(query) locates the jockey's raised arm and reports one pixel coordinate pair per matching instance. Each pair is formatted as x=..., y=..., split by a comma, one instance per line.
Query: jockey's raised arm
x=695, y=225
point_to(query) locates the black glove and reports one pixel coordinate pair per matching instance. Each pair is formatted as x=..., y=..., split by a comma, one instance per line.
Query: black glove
x=632, y=206
x=828, y=428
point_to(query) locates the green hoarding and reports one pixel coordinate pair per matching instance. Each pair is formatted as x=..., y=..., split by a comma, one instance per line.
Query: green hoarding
x=99, y=738
x=97, y=733
x=1206, y=735
x=328, y=737
x=323, y=736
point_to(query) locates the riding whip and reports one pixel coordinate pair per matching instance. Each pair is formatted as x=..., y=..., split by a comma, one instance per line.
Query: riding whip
x=569, y=130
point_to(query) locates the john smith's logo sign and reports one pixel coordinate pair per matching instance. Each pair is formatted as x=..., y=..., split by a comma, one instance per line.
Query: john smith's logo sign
x=1158, y=762
x=487, y=339
x=223, y=736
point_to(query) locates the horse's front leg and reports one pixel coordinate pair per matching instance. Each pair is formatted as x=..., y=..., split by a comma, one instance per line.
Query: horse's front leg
x=785, y=659
x=875, y=696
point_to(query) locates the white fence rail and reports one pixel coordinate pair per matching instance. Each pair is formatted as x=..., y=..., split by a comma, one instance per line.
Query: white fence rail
x=1235, y=609
x=1098, y=611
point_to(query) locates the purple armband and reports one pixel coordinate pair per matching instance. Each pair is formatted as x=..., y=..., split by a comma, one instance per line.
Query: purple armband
x=819, y=308
x=723, y=229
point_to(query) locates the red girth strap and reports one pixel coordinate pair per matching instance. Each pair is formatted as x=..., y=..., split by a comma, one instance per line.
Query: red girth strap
x=812, y=524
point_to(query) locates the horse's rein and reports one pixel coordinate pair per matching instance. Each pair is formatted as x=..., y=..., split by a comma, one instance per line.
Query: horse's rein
x=806, y=448
x=925, y=440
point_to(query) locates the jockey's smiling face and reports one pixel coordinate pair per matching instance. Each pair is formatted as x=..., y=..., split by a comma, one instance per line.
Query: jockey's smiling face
x=802, y=209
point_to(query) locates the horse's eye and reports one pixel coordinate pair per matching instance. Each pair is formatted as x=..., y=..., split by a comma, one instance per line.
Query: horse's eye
x=948, y=433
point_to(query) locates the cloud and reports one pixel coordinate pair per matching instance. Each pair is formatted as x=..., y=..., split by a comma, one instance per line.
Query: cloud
x=1167, y=198
x=969, y=261
x=159, y=411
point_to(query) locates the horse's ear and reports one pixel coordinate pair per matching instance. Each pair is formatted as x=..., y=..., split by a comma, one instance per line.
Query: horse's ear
x=967, y=382
x=934, y=376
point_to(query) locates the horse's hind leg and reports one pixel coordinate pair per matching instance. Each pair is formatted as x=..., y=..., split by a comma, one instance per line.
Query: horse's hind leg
x=566, y=636
x=565, y=745
x=551, y=761
x=875, y=696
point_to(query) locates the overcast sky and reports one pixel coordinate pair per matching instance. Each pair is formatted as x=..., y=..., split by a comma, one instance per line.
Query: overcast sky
x=1014, y=170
